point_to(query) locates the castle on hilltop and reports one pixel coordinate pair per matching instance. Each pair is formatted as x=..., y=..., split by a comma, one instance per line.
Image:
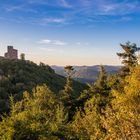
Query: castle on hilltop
x=11, y=53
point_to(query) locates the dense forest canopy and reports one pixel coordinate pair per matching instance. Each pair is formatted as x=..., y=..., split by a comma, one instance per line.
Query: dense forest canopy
x=17, y=76
x=108, y=109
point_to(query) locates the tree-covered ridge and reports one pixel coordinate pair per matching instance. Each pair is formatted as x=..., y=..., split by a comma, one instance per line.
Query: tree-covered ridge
x=108, y=110
x=86, y=74
x=17, y=76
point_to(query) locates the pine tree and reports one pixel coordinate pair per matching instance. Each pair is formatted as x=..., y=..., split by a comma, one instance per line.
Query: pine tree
x=102, y=80
x=129, y=56
x=99, y=88
x=68, y=87
x=66, y=94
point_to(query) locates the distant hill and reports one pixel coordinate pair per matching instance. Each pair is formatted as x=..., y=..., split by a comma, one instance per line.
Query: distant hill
x=86, y=74
x=17, y=76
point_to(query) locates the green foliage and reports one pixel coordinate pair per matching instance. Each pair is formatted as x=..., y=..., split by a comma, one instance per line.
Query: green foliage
x=68, y=87
x=17, y=76
x=114, y=115
x=38, y=116
x=100, y=87
x=87, y=121
x=122, y=116
x=108, y=110
x=101, y=82
x=129, y=56
x=22, y=56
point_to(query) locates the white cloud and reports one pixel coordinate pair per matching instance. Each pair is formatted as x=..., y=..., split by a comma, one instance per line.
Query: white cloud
x=108, y=8
x=82, y=43
x=78, y=43
x=120, y=8
x=52, y=50
x=37, y=1
x=64, y=3
x=104, y=7
x=12, y=8
x=80, y=11
x=45, y=41
x=58, y=42
x=50, y=20
x=52, y=42
x=48, y=49
x=86, y=43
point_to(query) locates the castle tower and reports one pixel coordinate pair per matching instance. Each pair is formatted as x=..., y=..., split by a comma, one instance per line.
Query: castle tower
x=11, y=53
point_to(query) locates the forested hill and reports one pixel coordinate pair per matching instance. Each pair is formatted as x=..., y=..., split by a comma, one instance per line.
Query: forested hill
x=17, y=76
x=109, y=109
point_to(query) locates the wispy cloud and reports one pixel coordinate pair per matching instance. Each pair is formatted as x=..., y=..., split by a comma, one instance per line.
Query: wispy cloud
x=59, y=42
x=108, y=8
x=45, y=41
x=65, y=4
x=52, y=42
x=122, y=8
x=65, y=12
x=49, y=20
x=37, y=1
x=48, y=49
x=51, y=50
x=55, y=3
x=82, y=43
x=19, y=8
x=78, y=43
x=11, y=8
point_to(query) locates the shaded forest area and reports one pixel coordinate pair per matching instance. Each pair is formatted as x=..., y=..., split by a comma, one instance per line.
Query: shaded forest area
x=61, y=109
x=17, y=76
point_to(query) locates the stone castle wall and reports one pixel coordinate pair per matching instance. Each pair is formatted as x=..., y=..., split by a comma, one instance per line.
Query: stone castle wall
x=11, y=53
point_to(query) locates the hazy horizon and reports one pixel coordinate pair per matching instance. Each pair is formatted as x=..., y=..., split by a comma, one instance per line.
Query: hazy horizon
x=63, y=32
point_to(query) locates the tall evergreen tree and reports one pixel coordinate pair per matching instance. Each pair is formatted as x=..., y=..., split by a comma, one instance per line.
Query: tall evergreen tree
x=93, y=101
x=65, y=95
x=129, y=56
x=68, y=87
x=99, y=88
x=102, y=80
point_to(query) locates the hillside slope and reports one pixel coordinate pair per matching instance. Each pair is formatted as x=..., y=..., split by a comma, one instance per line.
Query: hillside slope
x=17, y=76
x=86, y=74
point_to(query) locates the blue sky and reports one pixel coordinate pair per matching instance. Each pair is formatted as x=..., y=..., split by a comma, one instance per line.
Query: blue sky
x=74, y=32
